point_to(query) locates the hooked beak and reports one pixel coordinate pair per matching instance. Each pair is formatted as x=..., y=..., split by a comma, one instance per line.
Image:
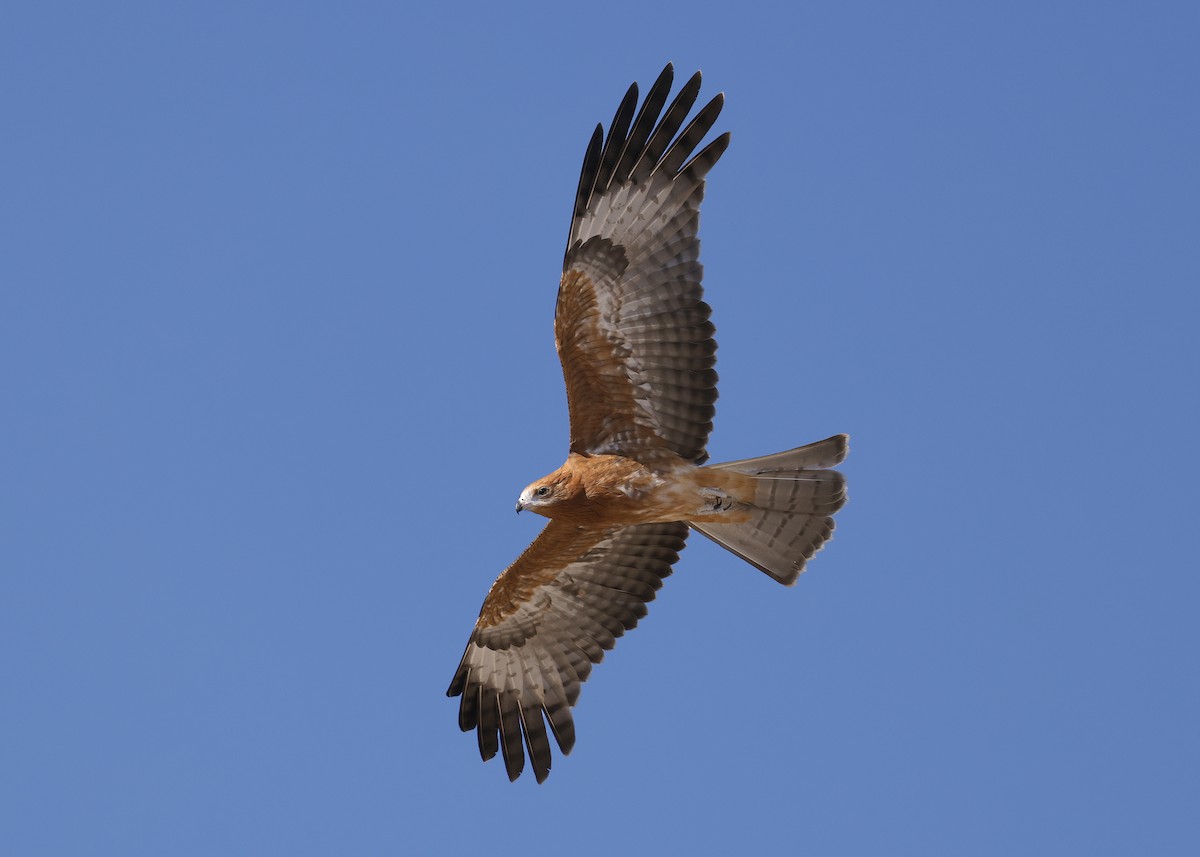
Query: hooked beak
x=520, y=506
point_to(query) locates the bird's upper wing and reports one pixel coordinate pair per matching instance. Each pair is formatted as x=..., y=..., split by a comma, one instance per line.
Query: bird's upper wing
x=547, y=619
x=631, y=325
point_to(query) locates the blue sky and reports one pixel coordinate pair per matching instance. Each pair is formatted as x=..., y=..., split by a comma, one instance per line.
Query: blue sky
x=276, y=292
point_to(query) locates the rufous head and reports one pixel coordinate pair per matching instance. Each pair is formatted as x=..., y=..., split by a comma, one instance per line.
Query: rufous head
x=546, y=494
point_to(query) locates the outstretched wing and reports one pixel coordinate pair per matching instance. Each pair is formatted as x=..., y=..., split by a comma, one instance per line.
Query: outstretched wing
x=550, y=616
x=631, y=326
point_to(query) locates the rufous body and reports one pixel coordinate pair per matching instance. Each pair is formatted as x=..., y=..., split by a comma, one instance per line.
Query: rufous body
x=605, y=491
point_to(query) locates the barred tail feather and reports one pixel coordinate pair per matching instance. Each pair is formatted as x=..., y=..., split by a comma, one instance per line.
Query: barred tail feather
x=821, y=455
x=791, y=513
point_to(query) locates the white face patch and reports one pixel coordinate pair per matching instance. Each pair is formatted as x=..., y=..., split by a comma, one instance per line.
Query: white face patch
x=531, y=497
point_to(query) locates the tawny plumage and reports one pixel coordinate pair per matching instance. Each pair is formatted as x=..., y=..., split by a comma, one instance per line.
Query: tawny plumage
x=637, y=351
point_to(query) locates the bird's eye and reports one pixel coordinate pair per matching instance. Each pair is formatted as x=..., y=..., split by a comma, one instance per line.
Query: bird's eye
x=543, y=491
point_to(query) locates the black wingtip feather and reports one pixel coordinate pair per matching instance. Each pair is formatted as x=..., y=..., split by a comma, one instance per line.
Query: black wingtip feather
x=614, y=145
x=691, y=136
x=635, y=148
x=511, y=745
x=539, y=744
x=587, y=174
x=489, y=725
x=468, y=712
x=643, y=125
x=672, y=120
x=697, y=168
x=562, y=724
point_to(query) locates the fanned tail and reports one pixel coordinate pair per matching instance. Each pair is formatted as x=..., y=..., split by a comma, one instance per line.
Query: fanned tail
x=791, y=515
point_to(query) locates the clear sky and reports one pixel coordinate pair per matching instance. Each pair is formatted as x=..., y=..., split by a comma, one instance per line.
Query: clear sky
x=276, y=289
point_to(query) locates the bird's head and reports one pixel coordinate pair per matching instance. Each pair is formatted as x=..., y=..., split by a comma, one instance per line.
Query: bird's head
x=540, y=496
x=544, y=495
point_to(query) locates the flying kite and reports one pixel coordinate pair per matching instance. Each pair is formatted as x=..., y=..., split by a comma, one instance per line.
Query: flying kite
x=637, y=351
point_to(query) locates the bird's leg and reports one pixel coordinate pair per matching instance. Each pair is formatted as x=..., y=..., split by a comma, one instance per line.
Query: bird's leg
x=715, y=501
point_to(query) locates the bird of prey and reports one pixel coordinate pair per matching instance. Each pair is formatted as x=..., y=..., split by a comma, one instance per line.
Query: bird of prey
x=637, y=351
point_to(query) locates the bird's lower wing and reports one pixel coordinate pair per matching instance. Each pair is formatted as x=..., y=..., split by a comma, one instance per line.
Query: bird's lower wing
x=550, y=616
